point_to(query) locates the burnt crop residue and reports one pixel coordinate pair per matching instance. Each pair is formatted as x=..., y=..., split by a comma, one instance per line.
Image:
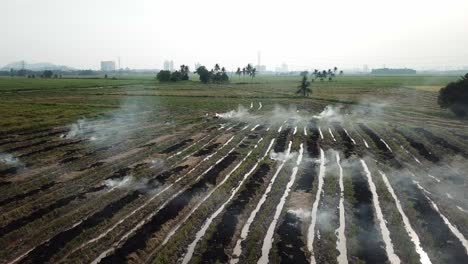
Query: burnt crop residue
x=28, y=146
x=139, y=239
x=445, y=246
x=20, y=222
x=11, y=170
x=46, y=251
x=224, y=233
x=4, y=183
x=69, y=159
x=441, y=142
x=207, y=150
x=368, y=247
x=21, y=196
x=376, y=139
x=305, y=182
x=49, y=148
x=120, y=173
x=176, y=146
x=422, y=150
x=290, y=244
x=348, y=143
x=280, y=145
x=93, y=166
x=162, y=177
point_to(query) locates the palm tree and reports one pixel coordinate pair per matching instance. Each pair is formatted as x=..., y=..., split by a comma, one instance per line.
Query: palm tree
x=238, y=72
x=252, y=73
x=304, y=87
x=216, y=67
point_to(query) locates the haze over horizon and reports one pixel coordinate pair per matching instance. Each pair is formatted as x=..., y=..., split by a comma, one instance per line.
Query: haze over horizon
x=304, y=34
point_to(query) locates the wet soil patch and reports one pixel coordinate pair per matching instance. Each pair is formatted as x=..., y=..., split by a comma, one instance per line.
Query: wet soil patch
x=441, y=142
x=422, y=150
x=369, y=248
x=46, y=251
x=280, y=145
x=290, y=244
x=176, y=146
x=224, y=233
x=21, y=196
x=207, y=150
x=139, y=239
x=434, y=233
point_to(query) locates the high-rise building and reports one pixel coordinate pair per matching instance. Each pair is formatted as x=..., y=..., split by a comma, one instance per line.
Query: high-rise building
x=168, y=65
x=259, y=67
x=282, y=68
x=107, y=66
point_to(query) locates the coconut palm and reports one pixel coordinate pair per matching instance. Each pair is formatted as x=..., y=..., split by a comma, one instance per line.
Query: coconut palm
x=304, y=87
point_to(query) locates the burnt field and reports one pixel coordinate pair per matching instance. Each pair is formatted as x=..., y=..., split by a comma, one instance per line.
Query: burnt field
x=238, y=173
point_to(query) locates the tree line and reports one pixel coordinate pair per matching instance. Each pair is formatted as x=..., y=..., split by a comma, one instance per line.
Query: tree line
x=217, y=74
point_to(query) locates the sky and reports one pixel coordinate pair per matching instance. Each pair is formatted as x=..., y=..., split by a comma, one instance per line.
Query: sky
x=303, y=34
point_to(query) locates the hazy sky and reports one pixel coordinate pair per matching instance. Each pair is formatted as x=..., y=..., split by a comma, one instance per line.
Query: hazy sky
x=304, y=34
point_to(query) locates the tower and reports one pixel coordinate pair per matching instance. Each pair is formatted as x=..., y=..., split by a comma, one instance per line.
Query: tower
x=258, y=58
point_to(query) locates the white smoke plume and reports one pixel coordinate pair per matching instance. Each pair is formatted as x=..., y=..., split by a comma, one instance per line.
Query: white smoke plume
x=120, y=124
x=277, y=116
x=9, y=159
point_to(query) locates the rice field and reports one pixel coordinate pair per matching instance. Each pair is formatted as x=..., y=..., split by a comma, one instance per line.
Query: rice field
x=366, y=170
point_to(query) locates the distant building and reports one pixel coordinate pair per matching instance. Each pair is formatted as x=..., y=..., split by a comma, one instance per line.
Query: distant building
x=282, y=68
x=260, y=68
x=168, y=65
x=393, y=71
x=365, y=68
x=107, y=66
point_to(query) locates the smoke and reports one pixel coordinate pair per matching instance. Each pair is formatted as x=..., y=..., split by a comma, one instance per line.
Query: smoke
x=157, y=164
x=301, y=213
x=240, y=114
x=119, y=183
x=282, y=156
x=367, y=110
x=127, y=182
x=9, y=159
x=277, y=116
x=118, y=125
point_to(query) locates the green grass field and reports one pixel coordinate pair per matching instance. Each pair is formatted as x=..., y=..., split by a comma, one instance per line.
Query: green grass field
x=36, y=103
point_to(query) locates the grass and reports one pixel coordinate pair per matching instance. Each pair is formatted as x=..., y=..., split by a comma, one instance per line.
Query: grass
x=37, y=103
